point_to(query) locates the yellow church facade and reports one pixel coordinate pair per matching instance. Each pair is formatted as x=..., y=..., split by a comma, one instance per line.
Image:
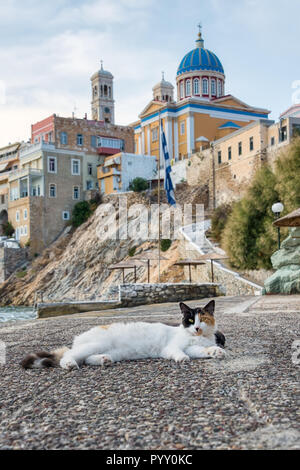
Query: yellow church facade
x=202, y=112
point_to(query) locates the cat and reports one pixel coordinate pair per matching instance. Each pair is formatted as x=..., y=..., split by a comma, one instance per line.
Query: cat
x=196, y=338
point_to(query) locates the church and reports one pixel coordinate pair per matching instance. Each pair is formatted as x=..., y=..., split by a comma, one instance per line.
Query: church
x=201, y=113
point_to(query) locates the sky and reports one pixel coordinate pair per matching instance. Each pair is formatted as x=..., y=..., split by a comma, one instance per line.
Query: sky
x=50, y=49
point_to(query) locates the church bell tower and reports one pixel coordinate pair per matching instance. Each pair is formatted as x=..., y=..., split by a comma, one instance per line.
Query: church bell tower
x=103, y=104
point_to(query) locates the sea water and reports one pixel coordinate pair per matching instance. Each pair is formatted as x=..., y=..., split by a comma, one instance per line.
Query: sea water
x=13, y=314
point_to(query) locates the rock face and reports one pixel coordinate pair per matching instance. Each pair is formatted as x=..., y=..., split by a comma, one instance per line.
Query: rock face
x=286, y=261
x=75, y=267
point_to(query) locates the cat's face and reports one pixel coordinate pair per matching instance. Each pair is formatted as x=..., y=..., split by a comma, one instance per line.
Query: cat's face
x=199, y=321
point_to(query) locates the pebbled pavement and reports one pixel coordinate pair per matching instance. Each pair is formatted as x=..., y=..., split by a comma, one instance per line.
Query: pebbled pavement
x=250, y=400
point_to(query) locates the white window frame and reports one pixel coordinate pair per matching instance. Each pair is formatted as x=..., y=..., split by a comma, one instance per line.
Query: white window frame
x=52, y=184
x=67, y=213
x=154, y=133
x=206, y=90
x=91, y=185
x=219, y=88
x=25, y=233
x=182, y=90
x=25, y=214
x=76, y=198
x=55, y=164
x=17, y=216
x=196, y=86
x=72, y=162
x=213, y=87
x=188, y=88
x=182, y=128
x=90, y=169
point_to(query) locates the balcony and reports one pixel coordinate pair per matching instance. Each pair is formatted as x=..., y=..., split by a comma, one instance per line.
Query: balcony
x=28, y=149
x=107, y=150
x=16, y=174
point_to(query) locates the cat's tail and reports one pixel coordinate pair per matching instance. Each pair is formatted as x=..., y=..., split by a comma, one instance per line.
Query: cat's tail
x=43, y=359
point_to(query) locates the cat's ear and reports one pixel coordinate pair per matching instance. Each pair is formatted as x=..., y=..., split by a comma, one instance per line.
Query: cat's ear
x=210, y=308
x=184, y=308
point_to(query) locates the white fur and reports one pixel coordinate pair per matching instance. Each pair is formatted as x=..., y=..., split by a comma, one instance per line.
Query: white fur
x=131, y=341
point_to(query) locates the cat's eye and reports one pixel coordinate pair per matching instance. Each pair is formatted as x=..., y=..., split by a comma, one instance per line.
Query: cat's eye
x=191, y=320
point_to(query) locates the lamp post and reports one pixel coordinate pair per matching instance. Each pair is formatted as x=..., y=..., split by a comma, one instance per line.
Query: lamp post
x=277, y=209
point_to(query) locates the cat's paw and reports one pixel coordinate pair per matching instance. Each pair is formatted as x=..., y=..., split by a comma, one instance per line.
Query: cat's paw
x=99, y=360
x=216, y=352
x=68, y=363
x=181, y=357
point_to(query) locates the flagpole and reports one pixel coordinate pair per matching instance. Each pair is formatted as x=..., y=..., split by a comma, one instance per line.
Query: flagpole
x=158, y=196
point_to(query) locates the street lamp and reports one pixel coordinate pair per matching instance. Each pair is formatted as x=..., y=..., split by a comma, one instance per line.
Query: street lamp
x=277, y=209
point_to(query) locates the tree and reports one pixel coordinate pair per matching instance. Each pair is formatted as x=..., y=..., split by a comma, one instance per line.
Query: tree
x=287, y=170
x=81, y=212
x=219, y=220
x=8, y=229
x=249, y=237
x=138, y=185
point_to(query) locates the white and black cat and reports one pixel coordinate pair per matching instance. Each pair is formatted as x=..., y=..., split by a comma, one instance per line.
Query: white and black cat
x=197, y=337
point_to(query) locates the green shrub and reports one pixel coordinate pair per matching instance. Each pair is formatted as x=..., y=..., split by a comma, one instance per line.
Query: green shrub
x=8, y=229
x=219, y=220
x=81, y=212
x=249, y=237
x=287, y=170
x=21, y=274
x=131, y=251
x=165, y=244
x=138, y=185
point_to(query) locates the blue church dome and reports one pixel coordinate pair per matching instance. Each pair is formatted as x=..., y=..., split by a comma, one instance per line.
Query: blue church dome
x=200, y=59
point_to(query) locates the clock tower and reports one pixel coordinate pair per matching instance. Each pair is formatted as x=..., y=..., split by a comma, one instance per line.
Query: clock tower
x=103, y=104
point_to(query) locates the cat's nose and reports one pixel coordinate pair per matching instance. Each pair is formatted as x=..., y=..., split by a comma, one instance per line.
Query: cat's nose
x=197, y=329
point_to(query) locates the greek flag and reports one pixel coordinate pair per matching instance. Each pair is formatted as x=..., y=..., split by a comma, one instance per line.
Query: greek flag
x=168, y=180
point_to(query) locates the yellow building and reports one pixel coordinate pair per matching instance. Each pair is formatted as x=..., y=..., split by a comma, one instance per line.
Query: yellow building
x=202, y=113
x=9, y=162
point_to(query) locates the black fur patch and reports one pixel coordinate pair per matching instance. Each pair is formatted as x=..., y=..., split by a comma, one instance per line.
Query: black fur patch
x=220, y=339
x=28, y=361
x=48, y=363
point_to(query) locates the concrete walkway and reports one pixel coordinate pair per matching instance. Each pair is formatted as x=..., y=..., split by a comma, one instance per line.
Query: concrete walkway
x=248, y=401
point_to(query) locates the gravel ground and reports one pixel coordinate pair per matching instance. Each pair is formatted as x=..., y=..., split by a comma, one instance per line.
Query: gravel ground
x=250, y=400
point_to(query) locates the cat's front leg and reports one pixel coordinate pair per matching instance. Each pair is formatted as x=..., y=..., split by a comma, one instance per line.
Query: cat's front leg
x=98, y=360
x=197, y=352
x=200, y=352
x=174, y=354
x=215, y=352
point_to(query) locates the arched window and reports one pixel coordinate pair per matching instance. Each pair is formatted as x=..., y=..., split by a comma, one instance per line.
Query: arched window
x=213, y=87
x=205, y=86
x=196, y=86
x=105, y=90
x=101, y=90
x=109, y=92
x=181, y=90
x=188, y=88
x=220, y=88
x=95, y=91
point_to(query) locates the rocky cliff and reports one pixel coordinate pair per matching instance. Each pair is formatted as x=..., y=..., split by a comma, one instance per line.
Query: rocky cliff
x=75, y=267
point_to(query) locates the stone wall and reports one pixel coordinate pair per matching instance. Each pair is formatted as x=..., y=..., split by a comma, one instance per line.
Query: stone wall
x=89, y=128
x=10, y=260
x=142, y=294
